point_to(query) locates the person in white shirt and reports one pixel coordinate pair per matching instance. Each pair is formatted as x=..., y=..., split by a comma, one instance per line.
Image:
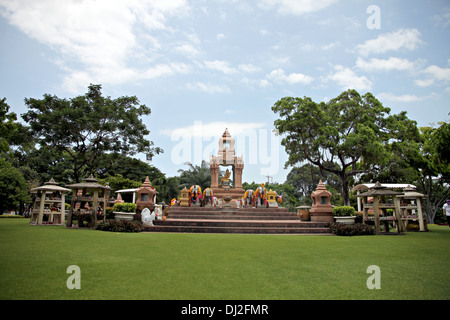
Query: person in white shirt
x=446, y=211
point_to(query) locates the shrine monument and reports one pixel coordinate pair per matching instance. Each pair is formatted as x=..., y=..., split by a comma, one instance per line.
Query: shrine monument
x=226, y=190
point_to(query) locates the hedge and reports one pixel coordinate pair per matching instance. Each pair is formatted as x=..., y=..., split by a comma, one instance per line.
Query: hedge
x=343, y=211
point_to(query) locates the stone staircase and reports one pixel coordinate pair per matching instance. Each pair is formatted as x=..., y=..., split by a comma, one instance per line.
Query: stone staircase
x=236, y=220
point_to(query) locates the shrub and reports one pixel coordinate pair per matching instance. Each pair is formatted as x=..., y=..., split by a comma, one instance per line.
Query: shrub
x=10, y=216
x=343, y=211
x=110, y=213
x=125, y=207
x=120, y=226
x=356, y=229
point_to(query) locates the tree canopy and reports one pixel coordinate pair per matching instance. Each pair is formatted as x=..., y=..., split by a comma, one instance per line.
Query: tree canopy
x=347, y=135
x=87, y=126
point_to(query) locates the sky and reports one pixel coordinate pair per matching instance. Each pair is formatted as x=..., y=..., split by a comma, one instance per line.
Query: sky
x=203, y=66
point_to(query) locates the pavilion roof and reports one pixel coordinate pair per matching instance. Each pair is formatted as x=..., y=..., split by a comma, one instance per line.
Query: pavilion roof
x=410, y=193
x=379, y=190
x=50, y=185
x=89, y=183
x=366, y=186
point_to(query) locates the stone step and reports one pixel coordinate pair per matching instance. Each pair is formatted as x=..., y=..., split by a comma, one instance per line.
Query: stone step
x=231, y=217
x=242, y=210
x=237, y=230
x=236, y=220
x=239, y=226
x=212, y=211
x=234, y=213
x=241, y=223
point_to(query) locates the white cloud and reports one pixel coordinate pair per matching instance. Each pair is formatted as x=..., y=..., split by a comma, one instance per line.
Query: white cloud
x=224, y=67
x=348, y=79
x=213, y=129
x=220, y=36
x=402, y=98
x=438, y=73
x=324, y=47
x=219, y=65
x=248, y=68
x=187, y=49
x=442, y=19
x=434, y=73
x=209, y=88
x=296, y=7
x=393, y=41
x=392, y=63
x=95, y=36
x=278, y=75
x=424, y=82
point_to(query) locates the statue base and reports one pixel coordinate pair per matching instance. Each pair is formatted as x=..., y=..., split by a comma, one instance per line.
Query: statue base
x=233, y=193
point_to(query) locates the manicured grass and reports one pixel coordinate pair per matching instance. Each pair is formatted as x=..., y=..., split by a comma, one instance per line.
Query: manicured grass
x=34, y=260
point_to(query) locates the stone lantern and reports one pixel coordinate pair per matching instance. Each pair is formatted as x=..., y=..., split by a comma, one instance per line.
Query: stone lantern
x=146, y=196
x=321, y=209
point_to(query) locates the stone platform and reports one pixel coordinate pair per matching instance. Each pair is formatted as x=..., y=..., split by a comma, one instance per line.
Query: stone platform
x=236, y=220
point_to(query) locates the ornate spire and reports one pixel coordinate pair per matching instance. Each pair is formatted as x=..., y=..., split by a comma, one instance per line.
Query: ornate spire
x=146, y=183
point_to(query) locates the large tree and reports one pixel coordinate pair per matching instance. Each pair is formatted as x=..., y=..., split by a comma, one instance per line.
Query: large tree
x=10, y=129
x=347, y=135
x=13, y=187
x=434, y=171
x=87, y=126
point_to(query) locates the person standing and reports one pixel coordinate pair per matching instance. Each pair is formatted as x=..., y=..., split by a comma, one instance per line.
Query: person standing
x=446, y=211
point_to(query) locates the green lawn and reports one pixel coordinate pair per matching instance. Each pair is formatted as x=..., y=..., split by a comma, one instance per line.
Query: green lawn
x=34, y=260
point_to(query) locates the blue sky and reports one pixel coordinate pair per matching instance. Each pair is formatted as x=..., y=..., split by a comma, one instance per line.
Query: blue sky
x=202, y=66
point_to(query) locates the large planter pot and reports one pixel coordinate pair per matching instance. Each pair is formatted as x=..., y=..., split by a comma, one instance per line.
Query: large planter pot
x=303, y=213
x=345, y=219
x=124, y=215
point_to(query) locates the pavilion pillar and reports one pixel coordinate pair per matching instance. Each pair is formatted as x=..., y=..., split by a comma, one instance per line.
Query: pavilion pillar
x=237, y=176
x=376, y=212
x=72, y=203
x=63, y=208
x=94, y=209
x=400, y=226
x=420, y=214
x=358, y=200
x=214, y=168
x=41, y=207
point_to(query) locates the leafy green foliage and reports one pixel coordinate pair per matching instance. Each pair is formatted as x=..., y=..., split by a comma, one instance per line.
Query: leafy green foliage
x=120, y=226
x=343, y=211
x=346, y=136
x=125, y=207
x=196, y=175
x=13, y=187
x=87, y=126
x=357, y=229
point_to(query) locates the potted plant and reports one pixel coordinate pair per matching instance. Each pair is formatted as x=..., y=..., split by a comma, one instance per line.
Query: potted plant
x=124, y=210
x=344, y=214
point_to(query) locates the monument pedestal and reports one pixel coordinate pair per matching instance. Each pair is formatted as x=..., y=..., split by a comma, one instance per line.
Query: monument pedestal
x=233, y=193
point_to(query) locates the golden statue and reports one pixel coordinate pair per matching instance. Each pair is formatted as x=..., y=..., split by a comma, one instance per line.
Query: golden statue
x=227, y=176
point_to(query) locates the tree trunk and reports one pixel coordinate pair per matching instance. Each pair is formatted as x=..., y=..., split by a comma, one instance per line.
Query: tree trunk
x=345, y=193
